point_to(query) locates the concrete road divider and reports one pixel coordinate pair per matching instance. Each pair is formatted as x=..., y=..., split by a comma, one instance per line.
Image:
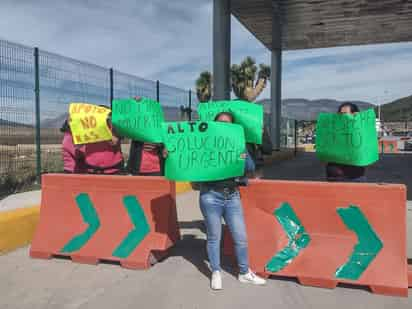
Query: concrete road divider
x=328, y=233
x=388, y=146
x=112, y=218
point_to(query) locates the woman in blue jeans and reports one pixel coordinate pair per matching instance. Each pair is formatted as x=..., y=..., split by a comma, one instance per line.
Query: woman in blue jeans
x=221, y=199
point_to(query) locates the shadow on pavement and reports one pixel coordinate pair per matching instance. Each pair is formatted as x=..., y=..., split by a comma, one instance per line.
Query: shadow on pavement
x=196, y=224
x=391, y=168
x=193, y=249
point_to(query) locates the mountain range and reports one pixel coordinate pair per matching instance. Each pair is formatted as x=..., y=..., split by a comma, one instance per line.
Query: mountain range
x=171, y=114
x=8, y=123
x=299, y=109
x=398, y=110
x=308, y=110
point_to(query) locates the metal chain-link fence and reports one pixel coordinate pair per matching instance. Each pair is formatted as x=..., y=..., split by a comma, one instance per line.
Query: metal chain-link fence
x=287, y=133
x=175, y=102
x=128, y=86
x=61, y=81
x=36, y=88
x=17, y=117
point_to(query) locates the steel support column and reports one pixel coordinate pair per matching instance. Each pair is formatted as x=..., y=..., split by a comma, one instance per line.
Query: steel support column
x=111, y=86
x=276, y=78
x=221, y=49
x=37, y=110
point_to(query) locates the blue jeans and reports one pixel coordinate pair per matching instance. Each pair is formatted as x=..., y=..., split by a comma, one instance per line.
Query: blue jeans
x=250, y=165
x=215, y=205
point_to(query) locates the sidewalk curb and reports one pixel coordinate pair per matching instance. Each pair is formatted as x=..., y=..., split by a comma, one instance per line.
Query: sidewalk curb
x=17, y=226
x=182, y=187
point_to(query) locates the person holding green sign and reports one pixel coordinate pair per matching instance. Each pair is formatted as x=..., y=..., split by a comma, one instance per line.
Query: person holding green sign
x=343, y=172
x=222, y=199
x=145, y=158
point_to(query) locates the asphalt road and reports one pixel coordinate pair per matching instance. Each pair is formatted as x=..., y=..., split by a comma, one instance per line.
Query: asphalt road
x=180, y=281
x=390, y=168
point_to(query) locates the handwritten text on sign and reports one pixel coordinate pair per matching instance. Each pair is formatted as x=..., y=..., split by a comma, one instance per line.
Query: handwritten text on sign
x=203, y=151
x=347, y=139
x=88, y=123
x=138, y=119
x=248, y=115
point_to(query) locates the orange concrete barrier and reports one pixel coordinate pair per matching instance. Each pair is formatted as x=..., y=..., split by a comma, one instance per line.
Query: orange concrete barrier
x=328, y=233
x=388, y=146
x=92, y=218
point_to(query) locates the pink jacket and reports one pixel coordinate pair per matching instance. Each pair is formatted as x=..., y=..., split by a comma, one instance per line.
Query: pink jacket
x=72, y=155
x=103, y=158
x=150, y=162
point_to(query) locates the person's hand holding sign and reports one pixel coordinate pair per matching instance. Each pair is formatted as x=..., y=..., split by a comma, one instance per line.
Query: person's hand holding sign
x=88, y=123
x=204, y=151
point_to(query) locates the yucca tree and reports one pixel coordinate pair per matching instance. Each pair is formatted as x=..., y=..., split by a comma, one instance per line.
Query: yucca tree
x=204, y=86
x=243, y=77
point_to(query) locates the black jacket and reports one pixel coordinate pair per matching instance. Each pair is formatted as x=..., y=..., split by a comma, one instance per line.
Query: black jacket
x=342, y=172
x=135, y=158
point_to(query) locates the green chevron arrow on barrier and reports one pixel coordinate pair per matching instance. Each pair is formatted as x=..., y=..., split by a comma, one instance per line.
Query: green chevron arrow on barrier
x=90, y=217
x=365, y=250
x=135, y=236
x=298, y=238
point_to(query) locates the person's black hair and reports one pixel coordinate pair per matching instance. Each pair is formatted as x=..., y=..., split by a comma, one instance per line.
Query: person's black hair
x=65, y=127
x=353, y=107
x=225, y=114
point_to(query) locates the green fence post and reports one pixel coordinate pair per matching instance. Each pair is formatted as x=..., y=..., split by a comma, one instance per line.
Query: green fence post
x=190, y=105
x=111, y=86
x=296, y=137
x=37, y=111
x=158, y=91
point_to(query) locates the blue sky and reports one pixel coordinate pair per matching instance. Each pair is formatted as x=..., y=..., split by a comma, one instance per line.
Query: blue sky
x=172, y=41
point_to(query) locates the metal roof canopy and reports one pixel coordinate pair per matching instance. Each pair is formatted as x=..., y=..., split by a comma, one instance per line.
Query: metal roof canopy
x=327, y=23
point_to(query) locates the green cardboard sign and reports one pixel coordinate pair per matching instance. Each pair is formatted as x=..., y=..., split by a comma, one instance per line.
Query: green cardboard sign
x=203, y=151
x=139, y=120
x=347, y=139
x=248, y=115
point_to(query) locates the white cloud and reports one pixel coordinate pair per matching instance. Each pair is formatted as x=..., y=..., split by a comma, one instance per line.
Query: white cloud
x=172, y=41
x=134, y=38
x=374, y=75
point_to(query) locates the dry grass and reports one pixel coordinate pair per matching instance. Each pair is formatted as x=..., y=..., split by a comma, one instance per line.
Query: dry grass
x=18, y=165
x=10, y=135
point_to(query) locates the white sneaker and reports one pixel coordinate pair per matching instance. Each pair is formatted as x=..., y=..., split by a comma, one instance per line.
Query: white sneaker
x=216, y=282
x=251, y=277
